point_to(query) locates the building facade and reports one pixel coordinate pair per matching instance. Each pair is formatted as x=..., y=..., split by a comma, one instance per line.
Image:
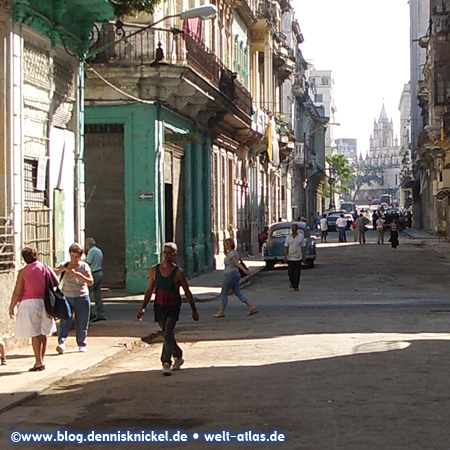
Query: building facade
x=40, y=163
x=385, y=154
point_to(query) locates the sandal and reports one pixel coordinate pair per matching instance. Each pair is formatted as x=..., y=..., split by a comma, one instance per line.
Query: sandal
x=37, y=369
x=252, y=311
x=218, y=316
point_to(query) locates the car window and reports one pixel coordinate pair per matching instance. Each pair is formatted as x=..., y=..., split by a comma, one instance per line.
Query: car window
x=284, y=232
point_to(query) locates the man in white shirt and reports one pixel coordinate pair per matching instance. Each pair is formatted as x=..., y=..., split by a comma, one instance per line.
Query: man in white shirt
x=323, y=228
x=341, y=225
x=294, y=254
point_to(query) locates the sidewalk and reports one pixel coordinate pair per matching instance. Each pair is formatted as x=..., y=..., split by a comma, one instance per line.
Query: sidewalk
x=105, y=340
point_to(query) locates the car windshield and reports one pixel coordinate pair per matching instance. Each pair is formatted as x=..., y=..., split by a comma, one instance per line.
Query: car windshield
x=284, y=232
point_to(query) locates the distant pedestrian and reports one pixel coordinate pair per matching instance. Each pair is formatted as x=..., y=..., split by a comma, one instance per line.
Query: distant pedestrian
x=374, y=220
x=355, y=229
x=323, y=228
x=380, y=230
x=394, y=233
x=262, y=237
x=32, y=319
x=231, y=280
x=408, y=222
x=361, y=223
x=2, y=353
x=166, y=279
x=94, y=258
x=341, y=225
x=317, y=220
x=76, y=278
x=294, y=254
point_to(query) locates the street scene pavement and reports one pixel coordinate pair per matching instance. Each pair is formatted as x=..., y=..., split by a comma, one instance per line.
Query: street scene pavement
x=357, y=359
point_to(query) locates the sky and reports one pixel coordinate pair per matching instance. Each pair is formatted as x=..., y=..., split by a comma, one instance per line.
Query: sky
x=366, y=45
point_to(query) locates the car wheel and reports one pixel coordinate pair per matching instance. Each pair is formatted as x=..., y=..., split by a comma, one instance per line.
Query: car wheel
x=270, y=265
x=310, y=264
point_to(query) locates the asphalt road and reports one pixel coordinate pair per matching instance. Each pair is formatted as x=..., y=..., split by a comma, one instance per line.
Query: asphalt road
x=358, y=359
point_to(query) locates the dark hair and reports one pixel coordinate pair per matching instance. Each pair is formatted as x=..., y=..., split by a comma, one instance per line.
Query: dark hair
x=29, y=254
x=76, y=248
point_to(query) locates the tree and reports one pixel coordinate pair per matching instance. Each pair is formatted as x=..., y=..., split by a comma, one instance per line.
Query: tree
x=366, y=174
x=132, y=7
x=340, y=173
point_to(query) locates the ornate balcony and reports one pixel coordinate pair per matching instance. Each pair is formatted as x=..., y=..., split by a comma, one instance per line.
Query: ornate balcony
x=176, y=69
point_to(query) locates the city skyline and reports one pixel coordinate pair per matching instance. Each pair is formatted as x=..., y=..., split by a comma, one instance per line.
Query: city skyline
x=368, y=53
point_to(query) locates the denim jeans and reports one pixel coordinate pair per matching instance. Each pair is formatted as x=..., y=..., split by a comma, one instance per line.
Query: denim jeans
x=95, y=292
x=81, y=307
x=231, y=283
x=170, y=346
x=342, y=235
x=294, y=271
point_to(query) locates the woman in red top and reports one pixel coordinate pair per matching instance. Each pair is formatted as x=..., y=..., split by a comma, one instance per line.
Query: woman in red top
x=32, y=319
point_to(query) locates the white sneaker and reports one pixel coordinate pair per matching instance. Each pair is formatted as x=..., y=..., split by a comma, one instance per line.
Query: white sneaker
x=166, y=369
x=82, y=349
x=61, y=348
x=177, y=363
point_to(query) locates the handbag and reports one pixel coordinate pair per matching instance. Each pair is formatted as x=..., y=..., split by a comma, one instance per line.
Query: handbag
x=241, y=272
x=56, y=304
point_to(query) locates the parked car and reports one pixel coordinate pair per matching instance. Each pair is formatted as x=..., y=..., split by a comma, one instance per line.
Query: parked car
x=273, y=248
x=394, y=214
x=331, y=220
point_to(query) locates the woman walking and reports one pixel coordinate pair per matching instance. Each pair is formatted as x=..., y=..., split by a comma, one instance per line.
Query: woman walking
x=231, y=279
x=76, y=279
x=32, y=319
x=394, y=233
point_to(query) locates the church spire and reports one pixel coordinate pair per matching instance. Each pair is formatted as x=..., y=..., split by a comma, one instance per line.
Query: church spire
x=383, y=116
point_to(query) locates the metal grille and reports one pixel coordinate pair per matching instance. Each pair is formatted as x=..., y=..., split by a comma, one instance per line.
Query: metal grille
x=6, y=245
x=32, y=197
x=36, y=228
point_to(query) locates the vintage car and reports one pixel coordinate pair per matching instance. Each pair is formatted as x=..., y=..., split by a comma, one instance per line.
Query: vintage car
x=331, y=220
x=273, y=248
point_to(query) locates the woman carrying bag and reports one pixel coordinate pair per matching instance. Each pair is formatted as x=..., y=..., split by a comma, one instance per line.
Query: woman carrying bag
x=76, y=278
x=32, y=319
x=231, y=279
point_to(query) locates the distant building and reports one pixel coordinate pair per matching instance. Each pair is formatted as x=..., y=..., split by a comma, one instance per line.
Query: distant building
x=384, y=153
x=321, y=92
x=348, y=148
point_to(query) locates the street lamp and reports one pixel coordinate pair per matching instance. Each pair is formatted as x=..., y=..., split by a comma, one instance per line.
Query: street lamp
x=204, y=12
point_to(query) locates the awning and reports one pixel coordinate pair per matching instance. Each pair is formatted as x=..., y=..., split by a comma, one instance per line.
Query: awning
x=70, y=22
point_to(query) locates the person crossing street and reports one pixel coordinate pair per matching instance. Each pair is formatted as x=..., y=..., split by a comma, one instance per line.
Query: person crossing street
x=294, y=254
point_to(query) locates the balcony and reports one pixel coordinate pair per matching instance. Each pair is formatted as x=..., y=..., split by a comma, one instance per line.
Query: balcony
x=174, y=68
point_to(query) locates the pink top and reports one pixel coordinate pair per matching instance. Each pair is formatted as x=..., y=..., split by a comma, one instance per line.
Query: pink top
x=34, y=286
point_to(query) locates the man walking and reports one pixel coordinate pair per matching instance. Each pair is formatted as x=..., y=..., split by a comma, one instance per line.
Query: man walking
x=94, y=258
x=341, y=225
x=294, y=254
x=165, y=279
x=323, y=228
x=361, y=223
x=380, y=230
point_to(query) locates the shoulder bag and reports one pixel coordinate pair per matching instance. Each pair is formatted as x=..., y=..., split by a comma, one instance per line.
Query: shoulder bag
x=56, y=304
x=241, y=272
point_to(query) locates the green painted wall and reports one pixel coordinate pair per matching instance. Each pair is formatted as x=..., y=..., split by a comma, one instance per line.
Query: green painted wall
x=144, y=227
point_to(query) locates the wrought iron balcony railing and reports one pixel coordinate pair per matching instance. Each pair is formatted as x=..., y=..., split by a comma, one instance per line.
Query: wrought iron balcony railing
x=173, y=47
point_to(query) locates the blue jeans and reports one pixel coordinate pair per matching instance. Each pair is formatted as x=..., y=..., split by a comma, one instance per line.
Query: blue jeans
x=81, y=307
x=231, y=283
x=342, y=236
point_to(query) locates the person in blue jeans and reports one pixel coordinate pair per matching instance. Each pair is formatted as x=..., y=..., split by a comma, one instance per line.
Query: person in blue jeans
x=231, y=280
x=76, y=278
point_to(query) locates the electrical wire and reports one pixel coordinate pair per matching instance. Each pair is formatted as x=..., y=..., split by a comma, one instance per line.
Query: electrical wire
x=132, y=97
